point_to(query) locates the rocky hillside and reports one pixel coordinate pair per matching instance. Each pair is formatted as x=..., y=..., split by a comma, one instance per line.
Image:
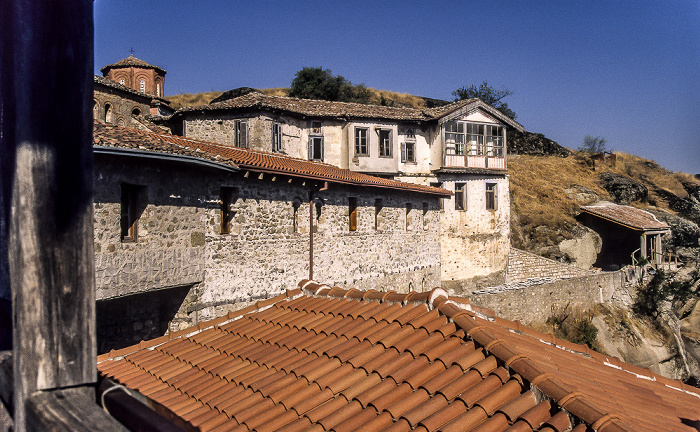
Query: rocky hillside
x=657, y=325
x=546, y=192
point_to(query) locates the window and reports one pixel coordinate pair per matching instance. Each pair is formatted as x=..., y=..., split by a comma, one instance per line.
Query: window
x=491, y=196
x=384, y=143
x=241, y=137
x=142, y=86
x=408, y=152
x=109, y=114
x=316, y=141
x=121, y=81
x=460, y=196
x=454, y=138
x=494, y=141
x=228, y=198
x=409, y=207
x=316, y=148
x=136, y=112
x=378, y=204
x=276, y=137
x=130, y=212
x=352, y=212
x=361, y=148
x=158, y=90
x=475, y=139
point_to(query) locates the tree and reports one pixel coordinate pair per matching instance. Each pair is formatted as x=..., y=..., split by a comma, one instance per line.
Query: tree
x=487, y=94
x=319, y=83
x=592, y=145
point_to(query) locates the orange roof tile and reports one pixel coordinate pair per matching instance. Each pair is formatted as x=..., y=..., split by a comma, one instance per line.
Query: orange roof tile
x=109, y=135
x=326, y=359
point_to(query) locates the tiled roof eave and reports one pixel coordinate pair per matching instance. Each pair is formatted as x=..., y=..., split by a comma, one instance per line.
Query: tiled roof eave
x=445, y=194
x=150, y=154
x=623, y=223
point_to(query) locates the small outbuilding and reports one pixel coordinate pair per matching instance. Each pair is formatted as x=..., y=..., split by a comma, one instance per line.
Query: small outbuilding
x=626, y=232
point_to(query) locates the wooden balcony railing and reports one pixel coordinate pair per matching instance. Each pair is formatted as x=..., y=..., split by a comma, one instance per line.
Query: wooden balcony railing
x=484, y=162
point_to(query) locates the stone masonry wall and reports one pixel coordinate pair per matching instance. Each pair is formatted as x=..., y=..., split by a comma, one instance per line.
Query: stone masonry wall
x=122, y=105
x=475, y=241
x=180, y=244
x=535, y=303
x=524, y=265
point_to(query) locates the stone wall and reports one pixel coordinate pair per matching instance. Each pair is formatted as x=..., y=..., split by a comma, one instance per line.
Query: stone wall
x=475, y=242
x=180, y=241
x=535, y=303
x=220, y=128
x=121, y=103
x=524, y=265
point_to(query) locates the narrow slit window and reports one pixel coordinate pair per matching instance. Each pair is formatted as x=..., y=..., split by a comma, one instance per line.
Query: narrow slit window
x=129, y=213
x=228, y=198
x=352, y=211
x=241, y=134
x=277, y=137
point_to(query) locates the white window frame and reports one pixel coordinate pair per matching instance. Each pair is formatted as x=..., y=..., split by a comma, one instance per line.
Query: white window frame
x=277, y=146
x=241, y=134
x=491, y=189
x=406, y=155
x=361, y=134
x=385, y=145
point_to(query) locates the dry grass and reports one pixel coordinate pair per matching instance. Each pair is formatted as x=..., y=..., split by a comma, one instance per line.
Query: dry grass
x=538, y=187
x=190, y=99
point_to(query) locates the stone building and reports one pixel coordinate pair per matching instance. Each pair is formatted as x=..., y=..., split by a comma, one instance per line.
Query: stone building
x=130, y=90
x=187, y=230
x=460, y=146
x=137, y=75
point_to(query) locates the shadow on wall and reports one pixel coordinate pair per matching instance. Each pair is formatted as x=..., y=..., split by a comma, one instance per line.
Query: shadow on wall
x=128, y=320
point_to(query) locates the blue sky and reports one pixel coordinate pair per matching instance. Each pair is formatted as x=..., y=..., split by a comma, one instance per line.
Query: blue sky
x=628, y=71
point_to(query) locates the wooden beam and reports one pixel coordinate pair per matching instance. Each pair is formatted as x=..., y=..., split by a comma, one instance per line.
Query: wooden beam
x=46, y=177
x=68, y=410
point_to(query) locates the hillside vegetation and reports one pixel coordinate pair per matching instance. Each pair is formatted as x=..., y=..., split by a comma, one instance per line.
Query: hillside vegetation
x=378, y=97
x=546, y=192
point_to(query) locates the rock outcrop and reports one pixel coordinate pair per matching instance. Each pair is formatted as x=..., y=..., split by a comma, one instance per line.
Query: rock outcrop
x=534, y=144
x=622, y=189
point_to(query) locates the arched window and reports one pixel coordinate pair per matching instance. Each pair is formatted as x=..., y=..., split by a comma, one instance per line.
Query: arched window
x=296, y=222
x=136, y=112
x=95, y=109
x=142, y=86
x=108, y=113
x=158, y=90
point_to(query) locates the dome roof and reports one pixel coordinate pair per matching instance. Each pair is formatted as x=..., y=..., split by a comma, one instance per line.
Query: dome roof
x=131, y=61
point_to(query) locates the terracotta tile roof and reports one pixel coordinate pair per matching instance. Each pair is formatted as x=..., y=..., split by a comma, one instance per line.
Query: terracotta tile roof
x=342, y=110
x=109, y=135
x=131, y=61
x=115, y=85
x=322, y=358
x=625, y=215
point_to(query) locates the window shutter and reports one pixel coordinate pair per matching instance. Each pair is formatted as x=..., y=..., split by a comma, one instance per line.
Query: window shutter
x=403, y=152
x=311, y=148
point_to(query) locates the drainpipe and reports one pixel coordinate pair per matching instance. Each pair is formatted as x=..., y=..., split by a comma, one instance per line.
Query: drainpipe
x=311, y=229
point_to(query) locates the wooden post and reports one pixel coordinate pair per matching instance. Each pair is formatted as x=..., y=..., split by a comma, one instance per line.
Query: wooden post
x=46, y=178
